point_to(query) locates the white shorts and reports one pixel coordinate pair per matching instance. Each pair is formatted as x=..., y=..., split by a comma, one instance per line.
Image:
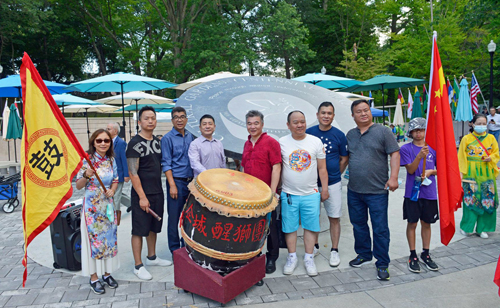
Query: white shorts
x=333, y=205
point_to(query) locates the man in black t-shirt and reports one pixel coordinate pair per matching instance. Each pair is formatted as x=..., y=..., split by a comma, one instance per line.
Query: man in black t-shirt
x=144, y=165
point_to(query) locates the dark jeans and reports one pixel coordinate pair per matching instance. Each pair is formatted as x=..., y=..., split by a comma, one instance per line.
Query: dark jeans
x=174, y=210
x=273, y=243
x=359, y=205
x=495, y=133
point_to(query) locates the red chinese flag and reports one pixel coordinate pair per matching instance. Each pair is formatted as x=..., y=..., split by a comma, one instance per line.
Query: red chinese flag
x=496, y=280
x=439, y=136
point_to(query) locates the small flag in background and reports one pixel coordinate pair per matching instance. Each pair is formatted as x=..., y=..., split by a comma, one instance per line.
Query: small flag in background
x=400, y=97
x=456, y=90
x=451, y=93
x=474, y=91
x=426, y=99
x=410, y=104
x=439, y=135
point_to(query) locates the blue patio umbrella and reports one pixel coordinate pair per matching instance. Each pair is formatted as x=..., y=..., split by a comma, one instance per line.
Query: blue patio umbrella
x=121, y=82
x=68, y=99
x=464, y=108
x=14, y=128
x=10, y=86
x=378, y=113
x=327, y=81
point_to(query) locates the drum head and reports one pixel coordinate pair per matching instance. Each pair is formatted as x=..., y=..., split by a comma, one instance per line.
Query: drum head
x=233, y=193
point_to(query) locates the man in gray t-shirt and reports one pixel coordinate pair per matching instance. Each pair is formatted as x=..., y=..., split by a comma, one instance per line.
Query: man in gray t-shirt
x=369, y=144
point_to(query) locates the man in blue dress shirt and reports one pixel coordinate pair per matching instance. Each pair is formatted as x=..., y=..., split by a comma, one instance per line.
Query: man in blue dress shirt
x=175, y=163
x=119, y=147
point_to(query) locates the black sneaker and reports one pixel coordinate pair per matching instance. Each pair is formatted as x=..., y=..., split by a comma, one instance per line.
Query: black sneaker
x=358, y=261
x=431, y=265
x=413, y=265
x=383, y=274
x=110, y=281
x=97, y=287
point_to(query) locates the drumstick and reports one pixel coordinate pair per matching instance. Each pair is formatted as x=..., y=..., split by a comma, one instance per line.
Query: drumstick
x=423, y=164
x=154, y=215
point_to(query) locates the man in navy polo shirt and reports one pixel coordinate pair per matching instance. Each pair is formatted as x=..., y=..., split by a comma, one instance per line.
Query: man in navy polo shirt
x=175, y=163
x=337, y=157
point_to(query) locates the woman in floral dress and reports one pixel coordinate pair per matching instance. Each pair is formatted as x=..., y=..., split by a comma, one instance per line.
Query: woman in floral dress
x=98, y=223
x=477, y=158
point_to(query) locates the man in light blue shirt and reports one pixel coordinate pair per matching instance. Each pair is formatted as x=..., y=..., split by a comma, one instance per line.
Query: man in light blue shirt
x=175, y=163
x=206, y=152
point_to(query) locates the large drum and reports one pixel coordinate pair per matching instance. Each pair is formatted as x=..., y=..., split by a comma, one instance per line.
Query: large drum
x=226, y=219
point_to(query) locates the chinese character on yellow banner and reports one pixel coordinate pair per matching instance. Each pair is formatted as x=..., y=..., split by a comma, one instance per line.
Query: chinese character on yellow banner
x=50, y=156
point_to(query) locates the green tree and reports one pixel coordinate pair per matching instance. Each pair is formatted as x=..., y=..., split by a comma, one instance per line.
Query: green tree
x=284, y=38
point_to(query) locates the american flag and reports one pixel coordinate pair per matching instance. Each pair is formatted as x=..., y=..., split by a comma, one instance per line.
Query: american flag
x=474, y=90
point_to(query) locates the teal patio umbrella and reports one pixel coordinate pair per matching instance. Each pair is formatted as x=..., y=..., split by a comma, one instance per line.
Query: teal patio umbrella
x=134, y=97
x=158, y=107
x=382, y=82
x=68, y=99
x=14, y=128
x=416, y=111
x=327, y=81
x=121, y=82
x=464, y=108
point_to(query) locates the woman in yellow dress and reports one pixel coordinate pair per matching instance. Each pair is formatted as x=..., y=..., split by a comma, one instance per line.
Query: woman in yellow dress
x=477, y=158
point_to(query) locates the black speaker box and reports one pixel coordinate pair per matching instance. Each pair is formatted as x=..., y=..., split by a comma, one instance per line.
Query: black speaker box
x=66, y=239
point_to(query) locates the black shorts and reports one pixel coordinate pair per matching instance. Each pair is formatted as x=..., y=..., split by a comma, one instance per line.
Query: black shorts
x=142, y=222
x=423, y=209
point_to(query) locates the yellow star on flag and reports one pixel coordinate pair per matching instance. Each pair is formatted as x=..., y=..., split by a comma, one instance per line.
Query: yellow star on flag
x=438, y=93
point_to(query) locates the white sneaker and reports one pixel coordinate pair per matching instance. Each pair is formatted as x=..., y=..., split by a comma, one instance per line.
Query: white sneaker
x=315, y=251
x=464, y=233
x=310, y=267
x=290, y=266
x=483, y=235
x=142, y=273
x=334, y=258
x=158, y=262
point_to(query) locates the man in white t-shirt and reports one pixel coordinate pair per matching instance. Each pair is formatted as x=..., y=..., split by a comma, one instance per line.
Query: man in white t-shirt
x=494, y=123
x=303, y=158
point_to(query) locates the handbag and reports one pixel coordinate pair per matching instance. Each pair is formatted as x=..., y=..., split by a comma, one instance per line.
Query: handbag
x=110, y=212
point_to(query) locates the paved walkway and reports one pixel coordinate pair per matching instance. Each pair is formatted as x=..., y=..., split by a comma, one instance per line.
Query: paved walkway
x=50, y=288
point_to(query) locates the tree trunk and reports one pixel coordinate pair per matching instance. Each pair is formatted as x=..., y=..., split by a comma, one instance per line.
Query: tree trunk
x=287, y=67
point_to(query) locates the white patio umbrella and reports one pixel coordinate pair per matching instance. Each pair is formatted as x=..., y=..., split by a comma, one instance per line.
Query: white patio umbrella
x=398, y=114
x=5, y=123
x=87, y=109
x=134, y=97
x=354, y=97
x=192, y=83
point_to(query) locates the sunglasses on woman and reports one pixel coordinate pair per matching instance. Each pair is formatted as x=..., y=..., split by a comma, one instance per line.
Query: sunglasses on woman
x=98, y=141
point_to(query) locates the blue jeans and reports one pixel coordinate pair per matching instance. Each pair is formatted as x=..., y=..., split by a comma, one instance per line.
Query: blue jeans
x=495, y=133
x=174, y=210
x=359, y=205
